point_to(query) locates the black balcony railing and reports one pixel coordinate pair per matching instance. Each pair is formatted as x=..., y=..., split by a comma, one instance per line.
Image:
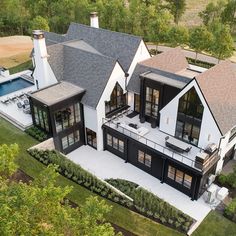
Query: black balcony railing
x=110, y=122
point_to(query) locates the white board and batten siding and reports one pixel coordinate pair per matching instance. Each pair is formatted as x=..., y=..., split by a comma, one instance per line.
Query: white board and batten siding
x=209, y=132
x=141, y=55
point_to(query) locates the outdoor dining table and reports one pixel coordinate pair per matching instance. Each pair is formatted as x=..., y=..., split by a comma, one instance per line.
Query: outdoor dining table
x=177, y=144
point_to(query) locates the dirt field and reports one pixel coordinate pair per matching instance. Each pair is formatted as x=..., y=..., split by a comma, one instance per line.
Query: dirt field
x=14, y=50
x=193, y=7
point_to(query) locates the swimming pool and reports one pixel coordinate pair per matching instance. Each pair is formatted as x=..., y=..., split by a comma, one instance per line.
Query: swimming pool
x=14, y=85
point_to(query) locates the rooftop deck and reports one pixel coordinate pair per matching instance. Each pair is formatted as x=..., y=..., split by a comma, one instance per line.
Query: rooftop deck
x=156, y=139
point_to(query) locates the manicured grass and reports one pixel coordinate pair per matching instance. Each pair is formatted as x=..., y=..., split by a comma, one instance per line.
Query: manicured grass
x=119, y=215
x=24, y=66
x=216, y=225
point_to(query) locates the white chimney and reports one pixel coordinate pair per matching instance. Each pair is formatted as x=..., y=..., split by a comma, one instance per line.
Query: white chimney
x=94, y=19
x=43, y=74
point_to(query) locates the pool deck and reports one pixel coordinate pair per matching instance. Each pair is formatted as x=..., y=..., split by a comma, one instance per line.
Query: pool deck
x=10, y=111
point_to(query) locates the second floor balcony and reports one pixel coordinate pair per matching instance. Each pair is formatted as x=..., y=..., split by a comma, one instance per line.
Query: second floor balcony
x=189, y=155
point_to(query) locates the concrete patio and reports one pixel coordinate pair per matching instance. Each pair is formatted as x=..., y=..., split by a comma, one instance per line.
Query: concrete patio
x=106, y=165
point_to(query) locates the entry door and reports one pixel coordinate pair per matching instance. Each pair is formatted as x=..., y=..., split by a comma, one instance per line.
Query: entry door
x=91, y=138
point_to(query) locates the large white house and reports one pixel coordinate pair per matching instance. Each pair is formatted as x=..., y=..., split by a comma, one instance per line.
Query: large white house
x=101, y=88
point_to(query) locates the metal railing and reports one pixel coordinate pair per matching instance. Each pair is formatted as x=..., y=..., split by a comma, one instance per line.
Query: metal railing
x=163, y=149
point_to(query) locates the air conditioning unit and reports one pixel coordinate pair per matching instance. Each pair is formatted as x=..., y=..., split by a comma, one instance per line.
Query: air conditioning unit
x=211, y=179
x=210, y=194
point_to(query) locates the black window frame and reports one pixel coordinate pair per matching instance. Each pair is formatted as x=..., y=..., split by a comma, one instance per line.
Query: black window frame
x=117, y=100
x=137, y=103
x=118, y=143
x=189, y=117
x=172, y=174
x=144, y=162
x=63, y=116
x=151, y=102
x=75, y=133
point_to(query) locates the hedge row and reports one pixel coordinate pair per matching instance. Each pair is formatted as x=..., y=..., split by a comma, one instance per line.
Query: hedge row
x=150, y=205
x=230, y=210
x=74, y=172
x=145, y=202
x=36, y=133
x=203, y=64
x=228, y=180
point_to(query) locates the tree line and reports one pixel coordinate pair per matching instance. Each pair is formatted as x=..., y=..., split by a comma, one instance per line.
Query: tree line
x=154, y=20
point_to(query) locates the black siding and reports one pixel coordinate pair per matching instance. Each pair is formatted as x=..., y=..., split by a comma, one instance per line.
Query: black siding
x=160, y=163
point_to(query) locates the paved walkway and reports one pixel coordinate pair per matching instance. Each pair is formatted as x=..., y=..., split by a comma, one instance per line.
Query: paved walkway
x=229, y=167
x=106, y=165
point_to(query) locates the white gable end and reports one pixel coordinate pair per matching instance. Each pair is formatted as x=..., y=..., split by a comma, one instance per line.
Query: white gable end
x=209, y=132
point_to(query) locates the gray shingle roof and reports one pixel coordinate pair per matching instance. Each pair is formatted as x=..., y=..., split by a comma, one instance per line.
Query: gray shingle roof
x=218, y=85
x=119, y=46
x=88, y=70
x=134, y=83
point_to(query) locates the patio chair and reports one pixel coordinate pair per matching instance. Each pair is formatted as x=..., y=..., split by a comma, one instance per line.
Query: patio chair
x=26, y=102
x=19, y=105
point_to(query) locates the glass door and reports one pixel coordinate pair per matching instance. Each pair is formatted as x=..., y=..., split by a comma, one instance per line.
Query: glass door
x=91, y=138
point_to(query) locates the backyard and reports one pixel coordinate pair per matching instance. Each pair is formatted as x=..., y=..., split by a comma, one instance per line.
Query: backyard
x=132, y=222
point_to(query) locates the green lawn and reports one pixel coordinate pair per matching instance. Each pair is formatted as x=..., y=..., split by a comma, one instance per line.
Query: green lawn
x=24, y=66
x=119, y=215
x=216, y=225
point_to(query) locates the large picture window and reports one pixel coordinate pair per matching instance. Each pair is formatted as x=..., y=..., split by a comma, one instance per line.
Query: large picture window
x=67, y=117
x=144, y=158
x=70, y=139
x=152, y=101
x=117, y=99
x=189, y=117
x=179, y=177
x=116, y=143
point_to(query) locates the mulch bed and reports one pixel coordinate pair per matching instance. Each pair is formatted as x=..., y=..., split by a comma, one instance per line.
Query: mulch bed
x=20, y=175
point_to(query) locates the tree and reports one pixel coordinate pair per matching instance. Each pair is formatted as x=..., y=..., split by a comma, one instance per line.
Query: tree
x=37, y=209
x=7, y=160
x=159, y=28
x=176, y=8
x=212, y=12
x=39, y=22
x=229, y=14
x=178, y=35
x=200, y=39
x=223, y=44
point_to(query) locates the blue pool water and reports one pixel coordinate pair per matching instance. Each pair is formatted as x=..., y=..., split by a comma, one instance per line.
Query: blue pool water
x=13, y=85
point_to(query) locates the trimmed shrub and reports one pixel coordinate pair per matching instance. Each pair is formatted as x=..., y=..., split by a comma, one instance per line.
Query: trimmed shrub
x=230, y=210
x=36, y=133
x=150, y=205
x=77, y=174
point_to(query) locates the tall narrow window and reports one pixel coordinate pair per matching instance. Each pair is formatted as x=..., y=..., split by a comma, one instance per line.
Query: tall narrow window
x=117, y=99
x=189, y=117
x=136, y=103
x=152, y=101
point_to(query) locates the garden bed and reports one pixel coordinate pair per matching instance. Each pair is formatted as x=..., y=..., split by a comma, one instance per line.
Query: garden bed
x=36, y=133
x=146, y=203
x=151, y=206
